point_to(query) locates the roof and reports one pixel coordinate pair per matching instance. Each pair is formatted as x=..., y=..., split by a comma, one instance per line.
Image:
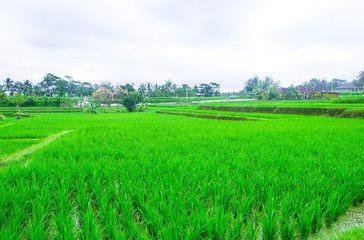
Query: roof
x=285, y=90
x=346, y=86
x=303, y=89
x=321, y=87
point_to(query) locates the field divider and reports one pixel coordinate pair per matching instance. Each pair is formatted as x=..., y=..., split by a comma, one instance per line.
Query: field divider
x=33, y=148
x=208, y=116
x=322, y=111
x=5, y=125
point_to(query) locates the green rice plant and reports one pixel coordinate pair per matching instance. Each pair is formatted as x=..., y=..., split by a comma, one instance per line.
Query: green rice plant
x=356, y=233
x=337, y=204
x=252, y=227
x=64, y=223
x=287, y=223
x=153, y=176
x=269, y=223
x=305, y=222
x=316, y=212
x=38, y=225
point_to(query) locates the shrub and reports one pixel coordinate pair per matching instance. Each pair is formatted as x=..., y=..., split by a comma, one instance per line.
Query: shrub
x=131, y=101
x=93, y=107
x=3, y=97
x=348, y=100
x=29, y=101
x=18, y=100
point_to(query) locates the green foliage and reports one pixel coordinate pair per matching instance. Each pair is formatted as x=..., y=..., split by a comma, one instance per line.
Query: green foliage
x=359, y=81
x=273, y=92
x=131, y=101
x=269, y=223
x=18, y=100
x=154, y=176
x=104, y=95
x=92, y=107
x=347, y=100
x=182, y=99
x=266, y=88
x=35, y=101
x=292, y=93
x=2, y=117
x=356, y=233
x=333, y=112
x=3, y=97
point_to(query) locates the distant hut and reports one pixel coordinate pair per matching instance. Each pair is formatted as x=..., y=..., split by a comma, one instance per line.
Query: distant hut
x=200, y=94
x=347, y=87
x=321, y=89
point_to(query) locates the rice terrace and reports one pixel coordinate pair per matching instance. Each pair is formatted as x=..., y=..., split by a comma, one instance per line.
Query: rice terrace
x=151, y=175
x=182, y=120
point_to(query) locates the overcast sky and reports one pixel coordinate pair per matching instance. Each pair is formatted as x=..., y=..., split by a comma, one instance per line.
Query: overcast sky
x=187, y=41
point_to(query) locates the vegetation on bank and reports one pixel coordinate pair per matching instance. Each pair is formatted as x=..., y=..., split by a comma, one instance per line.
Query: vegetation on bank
x=352, y=234
x=333, y=112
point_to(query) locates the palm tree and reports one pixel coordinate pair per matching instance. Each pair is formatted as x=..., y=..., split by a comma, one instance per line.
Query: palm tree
x=48, y=83
x=27, y=87
x=9, y=85
x=18, y=87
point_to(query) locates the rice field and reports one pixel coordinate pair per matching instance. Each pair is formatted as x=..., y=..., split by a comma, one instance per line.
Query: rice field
x=312, y=103
x=156, y=176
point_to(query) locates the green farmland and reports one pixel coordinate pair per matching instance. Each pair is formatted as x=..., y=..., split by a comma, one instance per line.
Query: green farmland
x=146, y=175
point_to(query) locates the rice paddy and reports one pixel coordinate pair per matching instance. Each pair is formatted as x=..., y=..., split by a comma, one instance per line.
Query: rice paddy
x=157, y=176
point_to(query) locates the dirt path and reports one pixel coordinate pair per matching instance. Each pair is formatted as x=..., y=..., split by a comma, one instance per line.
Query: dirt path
x=32, y=148
x=354, y=217
x=5, y=125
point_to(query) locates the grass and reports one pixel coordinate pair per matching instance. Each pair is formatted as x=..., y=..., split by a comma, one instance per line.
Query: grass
x=155, y=176
x=249, y=115
x=291, y=103
x=7, y=147
x=182, y=99
x=353, y=234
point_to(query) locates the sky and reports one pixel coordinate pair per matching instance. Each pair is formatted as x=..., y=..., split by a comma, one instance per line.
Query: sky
x=187, y=41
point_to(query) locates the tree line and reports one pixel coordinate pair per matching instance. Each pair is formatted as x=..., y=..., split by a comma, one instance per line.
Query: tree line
x=52, y=85
x=66, y=86
x=268, y=88
x=49, y=86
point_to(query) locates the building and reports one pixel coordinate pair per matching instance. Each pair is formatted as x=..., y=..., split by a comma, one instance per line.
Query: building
x=321, y=89
x=304, y=90
x=285, y=90
x=200, y=94
x=347, y=87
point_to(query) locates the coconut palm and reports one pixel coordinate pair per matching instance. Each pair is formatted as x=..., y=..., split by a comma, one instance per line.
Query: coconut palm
x=9, y=86
x=27, y=87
